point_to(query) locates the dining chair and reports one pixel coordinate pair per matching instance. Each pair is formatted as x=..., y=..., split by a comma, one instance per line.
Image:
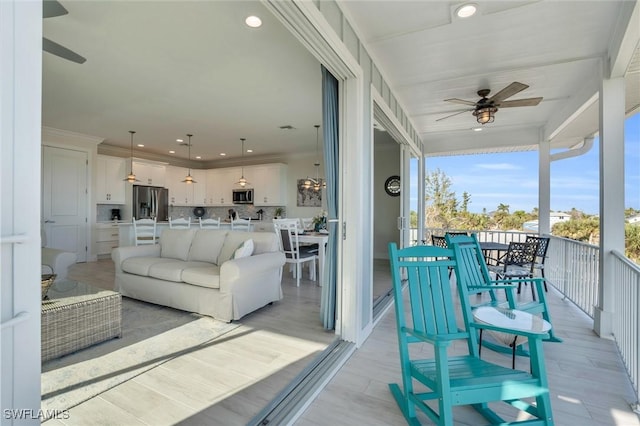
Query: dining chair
x=473, y=279
x=180, y=223
x=517, y=263
x=461, y=377
x=541, y=255
x=145, y=231
x=295, y=254
x=241, y=225
x=210, y=223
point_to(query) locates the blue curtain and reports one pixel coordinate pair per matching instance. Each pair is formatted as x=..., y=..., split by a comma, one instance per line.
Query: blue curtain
x=330, y=137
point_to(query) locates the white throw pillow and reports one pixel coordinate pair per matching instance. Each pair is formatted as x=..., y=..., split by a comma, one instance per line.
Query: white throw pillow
x=245, y=250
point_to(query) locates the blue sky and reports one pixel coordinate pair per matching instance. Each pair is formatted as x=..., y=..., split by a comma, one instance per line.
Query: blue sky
x=512, y=178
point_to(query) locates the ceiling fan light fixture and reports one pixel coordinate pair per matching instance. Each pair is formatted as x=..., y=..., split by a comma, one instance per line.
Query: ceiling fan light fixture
x=485, y=115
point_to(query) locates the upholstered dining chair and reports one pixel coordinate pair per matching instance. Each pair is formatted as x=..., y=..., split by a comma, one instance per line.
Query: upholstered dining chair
x=295, y=254
x=180, y=223
x=145, y=231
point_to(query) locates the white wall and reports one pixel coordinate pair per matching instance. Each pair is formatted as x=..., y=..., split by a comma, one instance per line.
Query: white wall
x=386, y=208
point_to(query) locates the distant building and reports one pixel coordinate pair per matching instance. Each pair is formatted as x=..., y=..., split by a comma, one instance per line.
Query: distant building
x=554, y=217
x=634, y=220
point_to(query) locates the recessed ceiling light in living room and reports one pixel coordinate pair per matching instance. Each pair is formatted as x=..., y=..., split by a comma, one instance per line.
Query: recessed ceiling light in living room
x=253, y=21
x=466, y=10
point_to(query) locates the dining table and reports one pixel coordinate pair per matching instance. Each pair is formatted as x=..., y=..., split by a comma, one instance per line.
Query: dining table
x=320, y=238
x=493, y=251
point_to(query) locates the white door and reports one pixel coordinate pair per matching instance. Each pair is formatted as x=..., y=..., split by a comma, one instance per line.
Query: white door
x=64, y=199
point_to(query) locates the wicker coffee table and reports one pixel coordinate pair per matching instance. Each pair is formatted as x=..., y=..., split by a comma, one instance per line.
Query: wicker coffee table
x=77, y=315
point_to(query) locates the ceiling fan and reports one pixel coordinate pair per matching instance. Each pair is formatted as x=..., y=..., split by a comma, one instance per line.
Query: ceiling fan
x=485, y=108
x=52, y=9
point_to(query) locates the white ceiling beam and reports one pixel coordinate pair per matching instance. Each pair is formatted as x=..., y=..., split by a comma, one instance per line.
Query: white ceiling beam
x=625, y=39
x=580, y=101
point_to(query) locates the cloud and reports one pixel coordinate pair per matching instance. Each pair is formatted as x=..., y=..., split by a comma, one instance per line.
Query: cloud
x=498, y=166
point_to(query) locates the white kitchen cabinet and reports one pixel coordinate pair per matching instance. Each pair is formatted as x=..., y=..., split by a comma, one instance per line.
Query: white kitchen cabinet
x=269, y=183
x=199, y=189
x=110, y=186
x=149, y=173
x=107, y=236
x=220, y=182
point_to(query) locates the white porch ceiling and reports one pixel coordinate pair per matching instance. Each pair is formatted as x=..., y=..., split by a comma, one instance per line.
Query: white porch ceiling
x=169, y=68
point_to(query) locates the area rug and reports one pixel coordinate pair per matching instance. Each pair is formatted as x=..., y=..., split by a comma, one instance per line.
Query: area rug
x=151, y=336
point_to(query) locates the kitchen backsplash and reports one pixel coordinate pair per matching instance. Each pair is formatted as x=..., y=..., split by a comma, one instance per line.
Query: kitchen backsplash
x=242, y=210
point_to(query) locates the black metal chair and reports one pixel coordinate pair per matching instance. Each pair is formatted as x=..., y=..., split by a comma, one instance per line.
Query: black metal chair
x=518, y=263
x=541, y=255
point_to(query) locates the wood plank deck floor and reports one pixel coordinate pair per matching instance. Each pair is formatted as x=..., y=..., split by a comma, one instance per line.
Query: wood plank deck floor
x=588, y=383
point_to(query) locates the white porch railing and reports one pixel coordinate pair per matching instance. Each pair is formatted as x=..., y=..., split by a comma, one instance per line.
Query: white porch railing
x=626, y=319
x=572, y=267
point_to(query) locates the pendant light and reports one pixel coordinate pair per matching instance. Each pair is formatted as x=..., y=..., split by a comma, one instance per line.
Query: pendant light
x=318, y=182
x=131, y=178
x=242, y=182
x=189, y=179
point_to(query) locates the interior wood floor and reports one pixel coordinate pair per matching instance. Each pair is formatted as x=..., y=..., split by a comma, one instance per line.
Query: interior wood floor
x=226, y=383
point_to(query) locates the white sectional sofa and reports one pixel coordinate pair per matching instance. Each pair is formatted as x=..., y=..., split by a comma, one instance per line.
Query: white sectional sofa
x=203, y=271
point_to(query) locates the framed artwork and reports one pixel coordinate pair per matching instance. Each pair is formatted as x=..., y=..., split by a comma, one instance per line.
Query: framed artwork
x=308, y=197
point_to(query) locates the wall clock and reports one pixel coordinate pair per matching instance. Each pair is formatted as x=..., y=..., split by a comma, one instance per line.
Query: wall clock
x=392, y=186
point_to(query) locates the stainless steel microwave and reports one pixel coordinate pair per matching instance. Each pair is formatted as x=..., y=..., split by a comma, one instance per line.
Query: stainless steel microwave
x=242, y=196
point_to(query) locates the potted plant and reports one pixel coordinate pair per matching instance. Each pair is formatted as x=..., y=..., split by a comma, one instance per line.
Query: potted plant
x=278, y=212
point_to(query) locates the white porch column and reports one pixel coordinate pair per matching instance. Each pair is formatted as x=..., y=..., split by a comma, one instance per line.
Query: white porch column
x=612, y=99
x=544, y=187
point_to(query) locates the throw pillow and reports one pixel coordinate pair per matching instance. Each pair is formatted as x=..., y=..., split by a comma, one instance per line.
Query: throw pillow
x=245, y=250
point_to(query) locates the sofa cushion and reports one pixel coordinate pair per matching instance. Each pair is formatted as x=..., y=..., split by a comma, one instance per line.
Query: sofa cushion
x=175, y=243
x=206, y=276
x=245, y=250
x=206, y=245
x=140, y=265
x=263, y=242
x=171, y=270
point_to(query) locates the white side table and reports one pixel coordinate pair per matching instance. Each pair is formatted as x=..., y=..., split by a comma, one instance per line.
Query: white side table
x=512, y=319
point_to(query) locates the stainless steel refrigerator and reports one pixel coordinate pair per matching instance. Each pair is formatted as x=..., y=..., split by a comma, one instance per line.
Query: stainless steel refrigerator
x=150, y=202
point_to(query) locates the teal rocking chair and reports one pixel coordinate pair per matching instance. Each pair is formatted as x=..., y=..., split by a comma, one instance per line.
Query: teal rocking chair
x=459, y=378
x=474, y=280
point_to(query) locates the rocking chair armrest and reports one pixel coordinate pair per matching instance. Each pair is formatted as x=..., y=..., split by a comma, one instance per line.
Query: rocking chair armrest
x=435, y=338
x=519, y=280
x=529, y=334
x=498, y=286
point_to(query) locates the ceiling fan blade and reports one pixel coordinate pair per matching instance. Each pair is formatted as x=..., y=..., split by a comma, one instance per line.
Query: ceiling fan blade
x=61, y=51
x=457, y=113
x=460, y=101
x=52, y=8
x=519, y=103
x=508, y=91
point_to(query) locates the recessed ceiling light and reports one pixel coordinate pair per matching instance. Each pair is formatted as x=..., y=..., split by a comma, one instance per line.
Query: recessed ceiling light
x=198, y=157
x=141, y=145
x=222, y=154
x=477, y=129
x=253, y=21
x=172, y=152
x=249, y=150
x=179, y=140
x=466, y=10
